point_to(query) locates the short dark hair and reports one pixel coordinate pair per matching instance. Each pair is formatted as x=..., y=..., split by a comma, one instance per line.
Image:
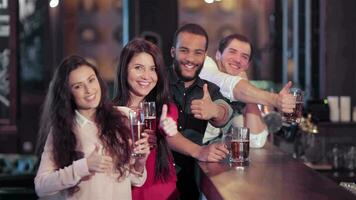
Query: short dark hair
x=226, y=41
x=192, y=28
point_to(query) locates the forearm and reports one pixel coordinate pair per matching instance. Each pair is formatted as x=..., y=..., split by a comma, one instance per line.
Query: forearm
x=253, y=119
x=184, y=146
x=246, y=92
x=49, y=181
x=222, y=115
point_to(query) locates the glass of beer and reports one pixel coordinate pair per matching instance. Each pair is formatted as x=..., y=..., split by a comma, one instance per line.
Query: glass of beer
x=136, y=118
x=149, y=110
x=295, y=116
x=240, y=144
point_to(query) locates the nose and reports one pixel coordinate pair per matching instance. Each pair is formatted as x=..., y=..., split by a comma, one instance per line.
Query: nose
x=145, y=74
x=190, y=57
x=87, y=89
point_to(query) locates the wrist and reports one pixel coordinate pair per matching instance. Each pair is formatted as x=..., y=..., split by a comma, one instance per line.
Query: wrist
x=139, y=167
x=196, y=152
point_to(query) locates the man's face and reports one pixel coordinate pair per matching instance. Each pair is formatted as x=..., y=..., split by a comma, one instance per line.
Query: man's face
x=235, y=57
x=188, y=55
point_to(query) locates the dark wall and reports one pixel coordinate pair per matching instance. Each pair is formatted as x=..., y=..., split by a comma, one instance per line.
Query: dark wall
x=340, y=49
x=155, y=20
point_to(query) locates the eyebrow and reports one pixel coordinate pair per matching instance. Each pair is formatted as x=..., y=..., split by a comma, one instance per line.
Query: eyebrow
x=235, y=50
x=196, y=50
x=81, y=82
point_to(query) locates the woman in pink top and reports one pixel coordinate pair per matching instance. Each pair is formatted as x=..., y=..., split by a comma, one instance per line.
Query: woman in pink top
x=87, y=148
x=141, y=77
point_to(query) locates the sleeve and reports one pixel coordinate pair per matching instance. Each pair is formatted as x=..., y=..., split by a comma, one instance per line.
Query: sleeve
x=211, y=133
x=258, y=140
x=50, y=180
x=225, y=81
x=138, y=179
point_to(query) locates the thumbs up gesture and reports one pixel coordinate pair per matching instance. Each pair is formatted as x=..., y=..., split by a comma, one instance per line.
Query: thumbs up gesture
x=204, y=108
x=99, y=163
x=285, y=101
x=167, y=124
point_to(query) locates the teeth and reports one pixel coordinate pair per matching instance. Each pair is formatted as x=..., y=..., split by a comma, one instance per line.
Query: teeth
x=142, y=83
x=91, y=97
x=234, y=66
x=189, y=66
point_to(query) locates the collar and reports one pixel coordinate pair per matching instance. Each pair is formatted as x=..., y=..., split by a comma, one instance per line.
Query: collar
x=81, y=120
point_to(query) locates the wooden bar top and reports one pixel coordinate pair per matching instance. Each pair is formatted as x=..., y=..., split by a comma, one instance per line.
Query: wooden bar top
x=271, y=174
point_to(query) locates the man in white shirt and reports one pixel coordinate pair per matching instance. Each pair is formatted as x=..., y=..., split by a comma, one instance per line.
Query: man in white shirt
x=233, y=59
x=236, y=88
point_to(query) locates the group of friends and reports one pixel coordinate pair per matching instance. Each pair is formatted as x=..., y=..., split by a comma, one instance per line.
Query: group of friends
x=85, y=137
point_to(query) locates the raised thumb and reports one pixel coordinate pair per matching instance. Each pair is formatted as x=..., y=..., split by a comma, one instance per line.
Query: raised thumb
x=206, y=91
x=285, y=89
x=164, y=112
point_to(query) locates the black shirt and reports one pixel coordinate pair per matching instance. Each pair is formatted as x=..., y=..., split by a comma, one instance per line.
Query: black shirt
x=191, y=127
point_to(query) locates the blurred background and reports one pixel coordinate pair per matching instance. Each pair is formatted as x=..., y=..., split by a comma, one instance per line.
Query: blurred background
x=310, y=42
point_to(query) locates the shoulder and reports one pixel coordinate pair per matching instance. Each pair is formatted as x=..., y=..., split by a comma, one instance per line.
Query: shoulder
x=212, y=87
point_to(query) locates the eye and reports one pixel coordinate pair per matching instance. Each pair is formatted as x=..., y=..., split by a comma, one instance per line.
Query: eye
x=245, y=58
x=199, y=53
x=183, y=50
x=92, y=79
x=153, y=68
x=138, y=67
x=76, y=87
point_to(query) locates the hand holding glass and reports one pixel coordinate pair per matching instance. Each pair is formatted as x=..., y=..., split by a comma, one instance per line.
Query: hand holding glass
x=295, y=116
x=137, y=127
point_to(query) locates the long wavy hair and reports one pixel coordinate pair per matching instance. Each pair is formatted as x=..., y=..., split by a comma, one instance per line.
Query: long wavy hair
x=59, y=113
x=159, y=94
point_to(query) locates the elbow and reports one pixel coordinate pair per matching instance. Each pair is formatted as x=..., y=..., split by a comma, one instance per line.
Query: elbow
x=41, y=188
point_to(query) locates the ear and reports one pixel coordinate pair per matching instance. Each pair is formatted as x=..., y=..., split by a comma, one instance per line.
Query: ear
x=173, y=52
x=217, y=55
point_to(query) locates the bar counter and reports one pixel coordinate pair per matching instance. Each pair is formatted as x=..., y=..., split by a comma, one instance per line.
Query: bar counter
x=271, y=174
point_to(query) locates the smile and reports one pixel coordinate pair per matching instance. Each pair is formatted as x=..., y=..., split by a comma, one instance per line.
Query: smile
x=90, y=97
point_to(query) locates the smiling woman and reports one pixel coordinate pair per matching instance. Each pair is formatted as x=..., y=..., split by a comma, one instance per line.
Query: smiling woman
x=85, y=89
x=86, y=139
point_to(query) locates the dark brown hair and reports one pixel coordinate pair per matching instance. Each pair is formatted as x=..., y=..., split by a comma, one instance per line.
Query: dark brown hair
x=159, y=94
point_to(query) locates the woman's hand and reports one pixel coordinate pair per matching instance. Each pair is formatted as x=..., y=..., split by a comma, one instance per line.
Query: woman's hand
x=152, y=138
x=167, y=124
x=142, y=148
x=99, y=163
x=124, y=110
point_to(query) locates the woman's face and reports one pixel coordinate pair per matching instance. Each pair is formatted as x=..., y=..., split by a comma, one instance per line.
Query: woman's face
x=142, y=76
x=85, y=88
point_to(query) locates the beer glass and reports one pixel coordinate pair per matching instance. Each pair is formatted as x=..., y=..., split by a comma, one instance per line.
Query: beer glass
x=240, y=144
x=149, y=110
x=295, y=116
x=136, y=118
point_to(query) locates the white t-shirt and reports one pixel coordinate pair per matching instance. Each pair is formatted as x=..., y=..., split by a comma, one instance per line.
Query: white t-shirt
x=226, y=82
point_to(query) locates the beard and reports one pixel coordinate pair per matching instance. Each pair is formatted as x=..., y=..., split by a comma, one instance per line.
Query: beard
x=178, y=70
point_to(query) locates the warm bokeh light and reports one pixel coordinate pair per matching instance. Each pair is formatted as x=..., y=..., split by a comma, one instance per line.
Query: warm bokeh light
x=53, y=3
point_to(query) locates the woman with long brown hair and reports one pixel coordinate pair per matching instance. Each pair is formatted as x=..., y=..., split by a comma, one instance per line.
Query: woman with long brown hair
x=141, y=77
x=87, y=148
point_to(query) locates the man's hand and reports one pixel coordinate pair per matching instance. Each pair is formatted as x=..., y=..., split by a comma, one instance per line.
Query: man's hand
x=204, y=108
x=212, y=153
x=285, y=101
x=167, y=124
